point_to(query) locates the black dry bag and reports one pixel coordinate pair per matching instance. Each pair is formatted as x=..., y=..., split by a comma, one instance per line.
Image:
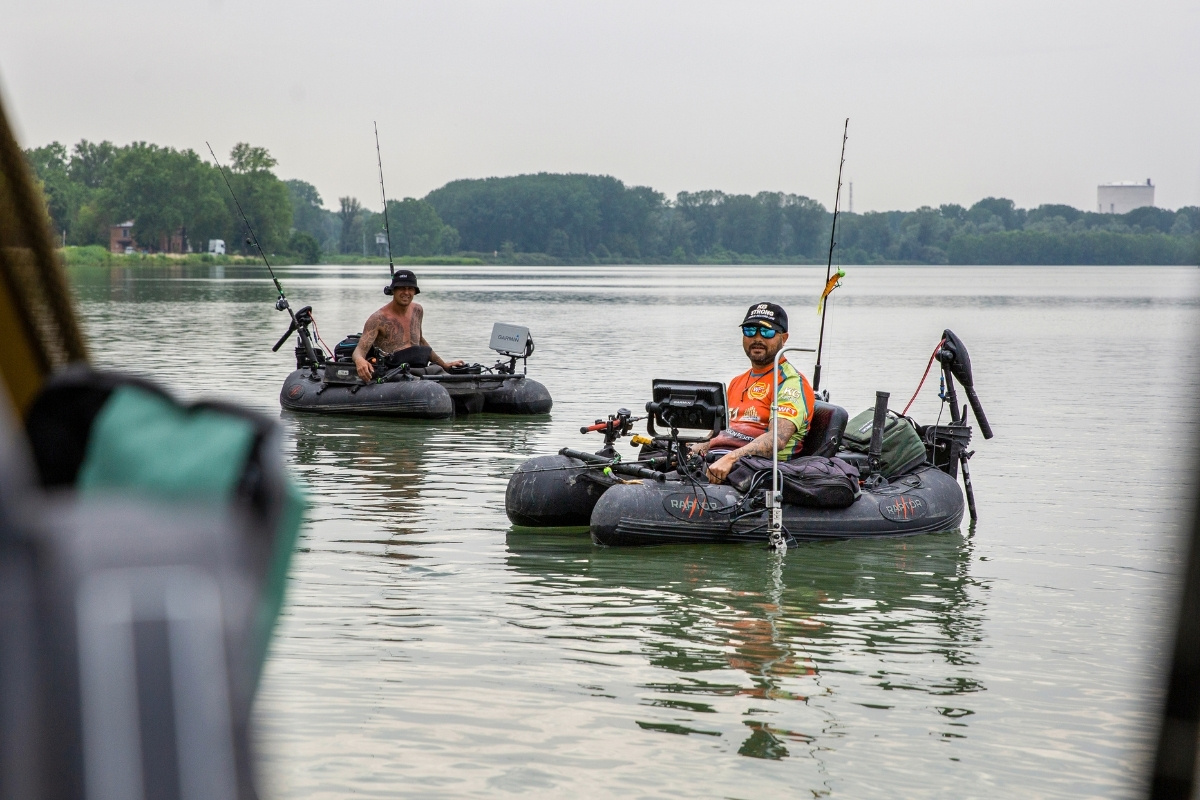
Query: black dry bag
x=810, y=481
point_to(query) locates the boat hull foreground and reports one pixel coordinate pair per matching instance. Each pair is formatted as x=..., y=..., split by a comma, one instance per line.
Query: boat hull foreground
x=672, y=512
x=554, y=491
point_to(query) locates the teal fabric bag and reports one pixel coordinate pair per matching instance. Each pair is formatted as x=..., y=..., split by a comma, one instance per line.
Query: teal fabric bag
x=143, y=443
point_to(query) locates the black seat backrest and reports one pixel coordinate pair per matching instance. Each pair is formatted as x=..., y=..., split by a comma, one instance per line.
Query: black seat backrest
x=825, y=430
x=416, y=356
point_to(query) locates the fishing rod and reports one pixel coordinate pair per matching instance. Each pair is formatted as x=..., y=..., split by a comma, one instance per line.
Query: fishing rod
x=383, y=194
x=816, y=383
x=301, y=319
x=282, y=303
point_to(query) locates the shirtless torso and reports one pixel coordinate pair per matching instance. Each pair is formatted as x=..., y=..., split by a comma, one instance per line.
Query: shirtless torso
x=393, y=327
x=391, y=331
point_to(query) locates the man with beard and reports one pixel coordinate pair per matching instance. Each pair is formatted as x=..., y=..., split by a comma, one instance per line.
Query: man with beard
x=396, y=330
x=751, y=394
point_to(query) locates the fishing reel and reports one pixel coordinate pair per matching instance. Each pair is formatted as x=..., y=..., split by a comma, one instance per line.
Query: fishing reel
x=616, y=426
x=306, y=355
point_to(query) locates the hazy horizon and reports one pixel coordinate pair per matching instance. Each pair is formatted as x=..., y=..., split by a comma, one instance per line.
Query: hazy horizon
x=947, y=103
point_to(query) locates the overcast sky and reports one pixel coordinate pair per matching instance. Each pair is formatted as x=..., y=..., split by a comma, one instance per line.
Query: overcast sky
x=948, y=102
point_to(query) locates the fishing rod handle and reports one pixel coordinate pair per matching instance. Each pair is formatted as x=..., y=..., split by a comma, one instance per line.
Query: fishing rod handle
x=619, y=468
x=291, y=329
x=981, y=418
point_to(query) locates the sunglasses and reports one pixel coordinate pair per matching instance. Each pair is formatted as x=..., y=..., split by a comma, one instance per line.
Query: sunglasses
x=767, y=333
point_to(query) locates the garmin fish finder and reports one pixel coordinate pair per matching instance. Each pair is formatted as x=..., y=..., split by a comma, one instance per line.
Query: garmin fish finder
x=513, y=341
x=695, y=405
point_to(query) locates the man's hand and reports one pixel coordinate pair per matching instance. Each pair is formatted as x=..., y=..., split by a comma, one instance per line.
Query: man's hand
x=719, y=470
x=699, y=448
x=456, y=363
x=364, y=368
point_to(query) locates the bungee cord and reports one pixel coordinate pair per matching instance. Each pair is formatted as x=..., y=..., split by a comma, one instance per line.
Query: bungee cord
x=317, y=332
x=928, y=366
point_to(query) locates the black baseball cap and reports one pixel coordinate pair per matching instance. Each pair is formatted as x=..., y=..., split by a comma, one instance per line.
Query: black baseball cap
x=767, y=314
x=402, y=277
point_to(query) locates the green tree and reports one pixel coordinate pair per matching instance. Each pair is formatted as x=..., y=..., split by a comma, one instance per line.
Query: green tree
x=89, y=169
x=305, y=246
x=349, y=213
x=310, y=216
x=308, y=212
x=558, y=244
x=1052, y=210
x=91, y=163
x=524, y=210
x=869, y=232
x=266, y=204
x=673, y=235
x=807, y=227
x=264, y=199
x=1001, y=208
x=416, y=227
x=703, y=210
x=1189, y=215
x=163, y=190
x=953, y=212
x=1149, y=218
x=245, y=158
x=63, y=197
x=746, y=224
x=451, y=242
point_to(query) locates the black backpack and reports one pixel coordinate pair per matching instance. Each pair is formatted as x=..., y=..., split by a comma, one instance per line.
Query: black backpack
x=810, y=481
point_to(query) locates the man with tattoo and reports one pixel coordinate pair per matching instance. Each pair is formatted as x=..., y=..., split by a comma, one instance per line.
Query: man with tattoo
x=395, y=327
x=751, y=394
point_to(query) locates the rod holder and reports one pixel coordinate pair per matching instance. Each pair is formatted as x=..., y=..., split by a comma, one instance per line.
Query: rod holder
x=875, y=451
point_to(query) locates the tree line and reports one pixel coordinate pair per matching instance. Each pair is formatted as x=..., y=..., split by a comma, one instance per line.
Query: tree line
x=589, y=218
x=176, y=194
x=164, y=192
x=568, y=218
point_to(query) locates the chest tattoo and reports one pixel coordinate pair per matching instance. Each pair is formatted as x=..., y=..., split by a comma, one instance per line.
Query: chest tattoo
x=394, y=334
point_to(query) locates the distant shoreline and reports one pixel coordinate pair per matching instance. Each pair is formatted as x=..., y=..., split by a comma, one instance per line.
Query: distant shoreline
x=97, y=256
x=72, y=258
x=556, y=219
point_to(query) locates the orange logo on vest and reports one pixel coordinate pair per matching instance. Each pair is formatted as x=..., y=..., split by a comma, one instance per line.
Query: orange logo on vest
x=758, y=391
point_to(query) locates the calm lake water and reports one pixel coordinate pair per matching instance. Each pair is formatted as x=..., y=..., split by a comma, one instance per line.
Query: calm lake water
x=429, y=650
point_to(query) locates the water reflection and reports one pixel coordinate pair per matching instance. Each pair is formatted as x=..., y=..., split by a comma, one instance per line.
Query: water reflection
x=731, y=625
x=391, y=477
x=377, y=464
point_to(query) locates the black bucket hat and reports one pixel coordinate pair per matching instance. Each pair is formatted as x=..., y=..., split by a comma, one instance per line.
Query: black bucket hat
x=768, y=313
x=403, y=277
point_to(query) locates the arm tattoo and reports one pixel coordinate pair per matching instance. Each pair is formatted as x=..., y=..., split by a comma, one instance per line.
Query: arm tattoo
x=370, y=331
x=762, y=445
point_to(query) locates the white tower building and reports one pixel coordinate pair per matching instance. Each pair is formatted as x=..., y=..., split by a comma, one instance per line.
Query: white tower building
x=1122, y=197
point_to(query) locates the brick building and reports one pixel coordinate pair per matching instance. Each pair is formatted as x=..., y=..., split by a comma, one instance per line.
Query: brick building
x=120, y=240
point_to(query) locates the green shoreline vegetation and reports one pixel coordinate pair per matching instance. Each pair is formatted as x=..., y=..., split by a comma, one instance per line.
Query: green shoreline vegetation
x=95, y=255
x=174, y=199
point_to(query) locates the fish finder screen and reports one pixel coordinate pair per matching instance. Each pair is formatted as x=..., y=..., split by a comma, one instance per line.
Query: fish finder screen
x=695, y=405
